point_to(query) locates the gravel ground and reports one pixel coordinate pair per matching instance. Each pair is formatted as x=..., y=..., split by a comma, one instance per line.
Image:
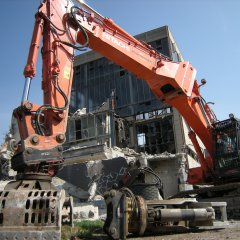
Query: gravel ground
x=232, y=232
x=217, y=234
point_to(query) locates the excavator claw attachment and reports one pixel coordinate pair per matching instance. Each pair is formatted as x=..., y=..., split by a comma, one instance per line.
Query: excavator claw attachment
x=31, y=214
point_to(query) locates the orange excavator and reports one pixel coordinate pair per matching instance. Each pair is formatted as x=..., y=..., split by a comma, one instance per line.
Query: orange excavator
x=64, y=26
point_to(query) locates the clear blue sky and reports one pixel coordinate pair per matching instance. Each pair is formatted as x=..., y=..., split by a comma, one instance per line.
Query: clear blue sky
x=207, y=33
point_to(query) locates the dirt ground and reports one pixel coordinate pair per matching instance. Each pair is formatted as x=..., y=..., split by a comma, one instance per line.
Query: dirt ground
x=232, y=232
x=214, y=234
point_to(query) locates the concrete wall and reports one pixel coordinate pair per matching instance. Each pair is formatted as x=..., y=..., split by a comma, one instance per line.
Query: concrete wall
x=172, y=173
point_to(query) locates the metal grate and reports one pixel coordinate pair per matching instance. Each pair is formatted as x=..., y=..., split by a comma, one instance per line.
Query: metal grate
x=31, y=214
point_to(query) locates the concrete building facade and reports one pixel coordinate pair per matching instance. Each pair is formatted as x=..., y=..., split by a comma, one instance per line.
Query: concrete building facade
x=110, y=107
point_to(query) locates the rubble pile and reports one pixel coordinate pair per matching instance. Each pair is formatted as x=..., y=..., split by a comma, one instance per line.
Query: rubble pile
x=93, y=209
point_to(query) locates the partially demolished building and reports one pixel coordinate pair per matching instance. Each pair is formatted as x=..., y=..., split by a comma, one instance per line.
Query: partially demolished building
x=115, y=116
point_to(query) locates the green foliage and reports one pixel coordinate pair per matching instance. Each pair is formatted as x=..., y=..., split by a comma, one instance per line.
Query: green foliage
x=84, y=229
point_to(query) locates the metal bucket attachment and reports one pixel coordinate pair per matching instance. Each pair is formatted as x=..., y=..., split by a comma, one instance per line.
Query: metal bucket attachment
x=67, y=212
x=31, y=214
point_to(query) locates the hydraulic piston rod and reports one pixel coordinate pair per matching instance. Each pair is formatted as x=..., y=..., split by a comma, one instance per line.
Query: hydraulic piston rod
x=26, y=89
x=127, y=213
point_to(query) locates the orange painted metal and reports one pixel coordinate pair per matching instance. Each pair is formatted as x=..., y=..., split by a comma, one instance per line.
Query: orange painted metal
x=57, y=60
x=114, y=43
x=30, y=68
x=173, y=83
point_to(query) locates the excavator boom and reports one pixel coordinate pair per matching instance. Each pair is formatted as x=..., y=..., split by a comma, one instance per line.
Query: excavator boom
x=64, y=26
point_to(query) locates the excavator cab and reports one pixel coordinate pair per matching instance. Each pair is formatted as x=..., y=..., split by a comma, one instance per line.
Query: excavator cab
x=227, y=145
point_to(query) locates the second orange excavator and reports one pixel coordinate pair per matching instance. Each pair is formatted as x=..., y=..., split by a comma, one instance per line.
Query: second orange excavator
x=64, y=26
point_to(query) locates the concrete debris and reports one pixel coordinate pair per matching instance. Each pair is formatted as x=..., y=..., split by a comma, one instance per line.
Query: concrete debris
x=122, y=132
x=80, y=215
x=89, y=211
x=101, y=176
x=74, y=191
x=128, y=152
x=101, y=179
x=58, y=182
x=70, y=189
x=3, y=184
x=6, y=173
x=94, y=168
x=164, y=156
x=103, y=107
x=143, y=160
x=92, y=191
x=79, y=113
x=78, y=154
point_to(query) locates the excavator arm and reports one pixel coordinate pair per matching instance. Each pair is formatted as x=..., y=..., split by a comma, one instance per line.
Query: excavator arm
x=62, y=25
x=171, y=82
x=42, y=128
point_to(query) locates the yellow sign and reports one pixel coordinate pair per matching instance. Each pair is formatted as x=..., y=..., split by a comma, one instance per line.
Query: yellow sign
x=67, y=72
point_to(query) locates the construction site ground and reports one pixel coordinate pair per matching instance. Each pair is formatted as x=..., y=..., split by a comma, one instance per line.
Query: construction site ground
x=213, y=234
x=230, y=232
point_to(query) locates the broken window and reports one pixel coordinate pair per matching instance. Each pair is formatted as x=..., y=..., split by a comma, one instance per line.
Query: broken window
x=122, y=73
x=78, y=129
x=141, y=139
x=71, y=136
x=162, y=46
x=101, y=124
x=156, y=136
